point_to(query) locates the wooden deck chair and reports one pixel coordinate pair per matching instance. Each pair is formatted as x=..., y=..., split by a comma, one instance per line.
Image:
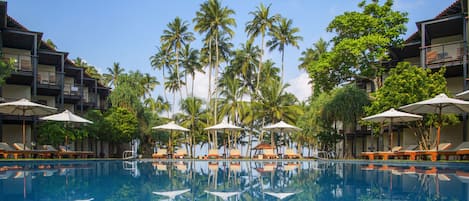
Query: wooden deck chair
x=235, y=153
x=161, y=153
x=291, y=154
x=432, y=152
x=28, y=152
x=213, y=154
x=385, y=154
x=180, y=153
x=454, y=151
x=6, y=150
x=269, y=154
x=70, y=152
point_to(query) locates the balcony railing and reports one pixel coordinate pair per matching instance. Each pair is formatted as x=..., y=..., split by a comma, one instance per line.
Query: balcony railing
x=20, y=62
x=444, y=53
x=72, y=89
x=48, y=78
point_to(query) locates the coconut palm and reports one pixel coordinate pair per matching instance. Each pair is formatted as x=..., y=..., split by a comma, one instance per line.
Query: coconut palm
x=191, y=63
x=174, y=37
x=261, y=23
x=163, y=59
x=172, y=84
x=194, y=119
x=157, y=105
x=275, y=104
x=149, y=83
x=214, y=20
x=283, y=35
x=313, y=54
x=114, y=74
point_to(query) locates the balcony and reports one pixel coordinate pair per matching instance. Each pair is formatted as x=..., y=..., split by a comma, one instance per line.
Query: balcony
x=447, y=54
x=21, y=63
x=48, y=78
x=72, y=93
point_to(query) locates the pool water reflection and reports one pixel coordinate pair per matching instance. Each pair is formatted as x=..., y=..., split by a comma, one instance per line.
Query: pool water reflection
x=230, y=180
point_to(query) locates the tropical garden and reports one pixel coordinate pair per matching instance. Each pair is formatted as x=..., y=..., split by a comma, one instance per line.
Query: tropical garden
x=249, y=91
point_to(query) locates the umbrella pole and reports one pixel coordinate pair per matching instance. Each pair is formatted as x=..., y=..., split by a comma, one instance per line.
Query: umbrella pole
x=24, y=132
x=390, y=134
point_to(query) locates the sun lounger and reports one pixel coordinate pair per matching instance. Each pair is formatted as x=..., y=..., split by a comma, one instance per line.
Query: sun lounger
x=28, y=152
x=403, y=152
x=289, y=153
x=161, y=153
x=269, y=154
x=69, y=152
x=412, y=155
x=383, y=154
x=180, y=153
x=6, y=150
x=235, y=153
x=464, y=146
x=432, y=152
x=213, y=154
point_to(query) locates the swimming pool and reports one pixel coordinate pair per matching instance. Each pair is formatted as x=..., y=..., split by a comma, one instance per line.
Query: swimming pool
x=230, y=180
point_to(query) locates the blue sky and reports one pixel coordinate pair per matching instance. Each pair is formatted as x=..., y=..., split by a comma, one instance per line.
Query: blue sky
x=103, y=32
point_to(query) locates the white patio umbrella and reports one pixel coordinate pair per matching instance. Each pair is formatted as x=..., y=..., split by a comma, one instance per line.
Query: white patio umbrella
x=441, y=104
x=392, y=116
x=280, y=196
x=223, y=126
x=67, y=117
x=281, y=127
x=171, y=194
x=171, y=126
x=24, y=107
x=224, y=195
x=463, y=95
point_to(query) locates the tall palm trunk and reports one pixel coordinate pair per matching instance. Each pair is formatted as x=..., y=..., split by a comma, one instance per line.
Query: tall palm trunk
x=164, y=91
x=283, y=70
x=260, y=62
x=216, y=86
x=177, y=72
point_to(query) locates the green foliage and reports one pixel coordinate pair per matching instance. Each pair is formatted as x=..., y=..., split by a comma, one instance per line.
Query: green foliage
x=99, y=129
x=51, y=133
x=6, y=67
x=124, y=124
x=360, y=46
x=408, y=84
x=346, y=105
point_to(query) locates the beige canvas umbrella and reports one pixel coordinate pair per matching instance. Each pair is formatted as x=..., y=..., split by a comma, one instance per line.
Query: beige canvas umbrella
x=439, y=105
x=463, y=95
x=172, y=194
x=67, y=117
x=224, y=195
x=171, y=126
x=24, y=107
x=392, y=116
x=280, y=196
x=223, y=126
x=281, y=127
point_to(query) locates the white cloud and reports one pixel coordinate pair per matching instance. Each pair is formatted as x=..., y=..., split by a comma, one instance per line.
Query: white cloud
x=201, y=83
x=299, y=87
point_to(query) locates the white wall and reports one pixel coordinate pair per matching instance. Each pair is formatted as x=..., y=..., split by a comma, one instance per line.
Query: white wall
x=49, y=99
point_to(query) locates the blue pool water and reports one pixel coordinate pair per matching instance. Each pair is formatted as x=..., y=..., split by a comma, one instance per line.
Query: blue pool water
x=225, y=180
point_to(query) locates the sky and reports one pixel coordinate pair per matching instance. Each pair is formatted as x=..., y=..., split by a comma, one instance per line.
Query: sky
x=126, y=31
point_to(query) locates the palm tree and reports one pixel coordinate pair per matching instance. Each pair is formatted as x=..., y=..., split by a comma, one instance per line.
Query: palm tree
x=259, y=25
x=275, y=104
x=51, y=44
x=163, y=59
x=90, y=70
x=157, y=105
x=313, y=54
x=283, y=35
x=214, y=20
x=193, y=119
x=114, y=74
x=174, y=38
x=172, y=84
x=191, y=63
x=149, y=83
